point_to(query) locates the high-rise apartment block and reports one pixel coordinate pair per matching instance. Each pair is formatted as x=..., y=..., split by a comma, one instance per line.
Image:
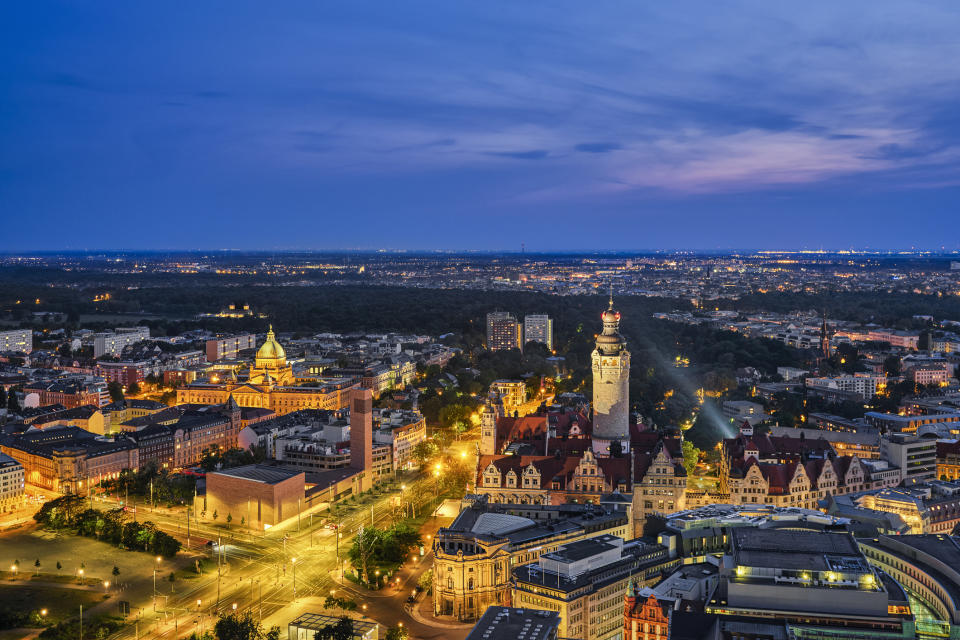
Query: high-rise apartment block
x=538, y=328
x=503, y=331
x=227, y=348
x=113, y=343
x=16, y=340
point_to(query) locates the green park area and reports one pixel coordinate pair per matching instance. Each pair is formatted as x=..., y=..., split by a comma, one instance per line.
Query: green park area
x=42, y=605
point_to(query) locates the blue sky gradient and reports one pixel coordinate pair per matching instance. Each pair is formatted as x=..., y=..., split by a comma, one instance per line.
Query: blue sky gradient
x=458, y=125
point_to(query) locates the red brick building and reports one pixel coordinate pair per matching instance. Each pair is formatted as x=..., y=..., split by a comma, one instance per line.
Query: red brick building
x=257, y=495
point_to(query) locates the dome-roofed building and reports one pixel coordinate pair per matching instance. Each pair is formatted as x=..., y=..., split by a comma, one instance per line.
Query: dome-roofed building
x=270, y=366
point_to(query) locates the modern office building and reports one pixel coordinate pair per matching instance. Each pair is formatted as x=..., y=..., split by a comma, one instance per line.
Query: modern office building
x=18, y=340
x=538, y=328
x=821, y=584
x=916, y=457
x=862, y=385
x=586, y=582
x=503, y=331
x=511, y=623
x=473, y=557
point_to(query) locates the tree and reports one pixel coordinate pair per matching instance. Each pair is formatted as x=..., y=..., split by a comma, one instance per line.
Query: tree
x=36, y=564
x=133, y=389
x=215, y=515
x=60, y=566
x=172, y=578
x=397, y=632
x=13, y=405
x=116, y=571
x=229, y=518
x=242, y=626
x=423, y=452
x=340, y=630
x=3, y=396
x=116, y=391
x=891, y=366
x=691, y=455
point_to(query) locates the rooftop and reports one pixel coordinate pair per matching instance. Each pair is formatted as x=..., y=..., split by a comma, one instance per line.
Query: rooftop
x=259, y=473
x=508, y=623
x=784, y=549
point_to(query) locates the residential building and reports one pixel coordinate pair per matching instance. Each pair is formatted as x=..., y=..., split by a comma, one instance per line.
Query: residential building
x=510, y=623
x=125, y=373
x=401, y=431
x=586, y=581
x=12, y=495
x=538, y=328
x=861, y=385
x=503, y=331
x=229, y=347
x=71, y=392
x=473, y=557
x=928, y=374
x=16, y=340
x=112, y=343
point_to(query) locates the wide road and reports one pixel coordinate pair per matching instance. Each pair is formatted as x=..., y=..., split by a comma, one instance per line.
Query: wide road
x=256, y=572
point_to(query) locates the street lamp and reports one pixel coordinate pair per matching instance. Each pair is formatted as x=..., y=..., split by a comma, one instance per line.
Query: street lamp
x=106, y=585
x=293, y=561
x=234, y=606
x=80, y=573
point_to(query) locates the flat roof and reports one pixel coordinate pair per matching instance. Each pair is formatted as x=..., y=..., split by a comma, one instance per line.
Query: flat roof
x=508, y=623
x=784, y=549
x=317, y=621
x=259, y=473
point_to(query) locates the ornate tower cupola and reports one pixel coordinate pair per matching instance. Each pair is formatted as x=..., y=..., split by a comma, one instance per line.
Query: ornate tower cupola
x=611, y=380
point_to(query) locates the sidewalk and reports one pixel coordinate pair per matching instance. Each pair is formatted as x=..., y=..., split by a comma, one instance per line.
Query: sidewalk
x=427, y=618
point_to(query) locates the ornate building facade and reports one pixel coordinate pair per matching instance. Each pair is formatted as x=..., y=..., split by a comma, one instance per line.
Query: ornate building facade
x=270, y=386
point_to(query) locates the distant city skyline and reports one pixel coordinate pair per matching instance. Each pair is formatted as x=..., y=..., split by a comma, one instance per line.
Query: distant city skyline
x=573, y=127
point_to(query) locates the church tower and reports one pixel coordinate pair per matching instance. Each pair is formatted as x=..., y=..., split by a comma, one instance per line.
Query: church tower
x=611, y=379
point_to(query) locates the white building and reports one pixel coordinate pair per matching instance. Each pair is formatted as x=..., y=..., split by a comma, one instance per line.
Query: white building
x=862, y=384
x=16, y=340
x=113, y=343
x=538, y=328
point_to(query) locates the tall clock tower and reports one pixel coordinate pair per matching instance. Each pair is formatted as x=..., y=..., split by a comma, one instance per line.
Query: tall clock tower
x=611, y=392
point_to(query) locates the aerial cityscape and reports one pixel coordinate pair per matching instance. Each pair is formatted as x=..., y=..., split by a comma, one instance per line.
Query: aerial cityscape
x=480, y=322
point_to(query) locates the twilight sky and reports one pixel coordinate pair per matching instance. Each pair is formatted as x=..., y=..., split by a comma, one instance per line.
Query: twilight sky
x=479, y=125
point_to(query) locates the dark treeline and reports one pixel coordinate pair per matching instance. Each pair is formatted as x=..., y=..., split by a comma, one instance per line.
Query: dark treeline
x=71, y=512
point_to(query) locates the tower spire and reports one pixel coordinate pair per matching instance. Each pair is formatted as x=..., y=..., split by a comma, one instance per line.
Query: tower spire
x=611, y=294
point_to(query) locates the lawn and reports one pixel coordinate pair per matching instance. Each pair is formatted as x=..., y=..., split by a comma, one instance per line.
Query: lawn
x=59, y=603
